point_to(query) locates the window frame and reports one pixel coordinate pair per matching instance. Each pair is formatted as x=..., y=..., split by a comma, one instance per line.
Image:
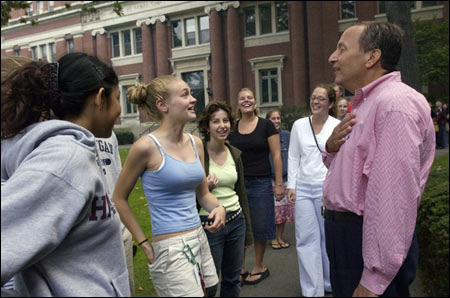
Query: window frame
x=70, y=49
x=268, y=63
x=182, y=22
x=269, y=77
x=340, y=10
x=120, y=33
x=273, y=13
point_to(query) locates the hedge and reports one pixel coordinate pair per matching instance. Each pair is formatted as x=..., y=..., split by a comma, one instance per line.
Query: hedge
x=124, y=137
x=432, y=230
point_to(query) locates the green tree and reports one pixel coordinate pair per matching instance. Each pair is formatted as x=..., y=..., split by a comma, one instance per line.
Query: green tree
x=432, y=51
x=8, y=6
x=399, y=12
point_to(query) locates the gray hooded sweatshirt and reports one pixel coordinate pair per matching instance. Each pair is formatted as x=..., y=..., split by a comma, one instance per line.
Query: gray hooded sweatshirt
x=60, y=231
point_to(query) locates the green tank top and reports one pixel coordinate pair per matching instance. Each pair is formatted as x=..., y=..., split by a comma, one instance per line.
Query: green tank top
x=225, y=192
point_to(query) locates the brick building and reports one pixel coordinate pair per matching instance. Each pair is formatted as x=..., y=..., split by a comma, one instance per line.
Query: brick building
x=277, y=48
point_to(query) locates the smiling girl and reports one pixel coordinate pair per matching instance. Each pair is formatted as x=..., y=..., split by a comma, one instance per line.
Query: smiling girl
x=306, y=173
x=223, y=165
x=170, y=164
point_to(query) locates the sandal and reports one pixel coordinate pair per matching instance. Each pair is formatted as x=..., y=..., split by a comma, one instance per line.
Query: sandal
x=276, y=245
x=243, y=277
x=263, y=275
x=284, y=244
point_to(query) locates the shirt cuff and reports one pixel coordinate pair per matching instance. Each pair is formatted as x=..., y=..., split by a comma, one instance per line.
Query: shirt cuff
x=291, y=185
x=375, y=281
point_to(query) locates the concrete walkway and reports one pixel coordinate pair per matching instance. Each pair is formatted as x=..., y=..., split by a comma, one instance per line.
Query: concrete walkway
x=284, y=278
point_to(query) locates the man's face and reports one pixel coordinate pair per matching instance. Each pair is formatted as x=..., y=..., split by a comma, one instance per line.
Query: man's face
x=348, y=61
x=438, y=104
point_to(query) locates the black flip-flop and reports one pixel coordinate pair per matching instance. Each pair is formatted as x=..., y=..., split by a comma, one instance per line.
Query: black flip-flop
x=244, y=276
x=264, y=275
x=276, y=245
x=284, y=244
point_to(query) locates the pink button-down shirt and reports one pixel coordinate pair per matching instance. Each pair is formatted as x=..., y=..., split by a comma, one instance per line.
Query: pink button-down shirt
x=380, y=173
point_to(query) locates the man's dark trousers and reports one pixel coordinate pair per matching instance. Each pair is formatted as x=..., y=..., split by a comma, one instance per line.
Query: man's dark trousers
x=344, y=249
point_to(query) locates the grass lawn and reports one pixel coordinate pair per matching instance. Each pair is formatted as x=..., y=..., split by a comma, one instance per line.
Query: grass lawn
x=143, y=285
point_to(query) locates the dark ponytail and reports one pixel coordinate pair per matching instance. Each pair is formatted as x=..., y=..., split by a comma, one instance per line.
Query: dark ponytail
x=30, y=93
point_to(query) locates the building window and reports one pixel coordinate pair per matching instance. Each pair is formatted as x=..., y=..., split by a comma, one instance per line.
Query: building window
x=282, y=16
x=31, y=10
x=347, y=9
x=428, y=3
x=271, y=17
x=34, y=54
x=53, y=51
x=265, y=18
x=130, y=109
x=43, y=51
x=250, y=21
x=382, y=5
x=126, y=42
x=17, y=52
x=137, y=40
x=268, y=86
x=176, y=34
x=69, y=44
x=189, y=25
x=115, y=44
x=203, y=24
x=126, y=38
x=51, y=5
x=196, y=82
x=39, y=7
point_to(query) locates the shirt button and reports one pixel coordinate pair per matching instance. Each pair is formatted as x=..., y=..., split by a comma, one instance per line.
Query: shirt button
x=382, y=286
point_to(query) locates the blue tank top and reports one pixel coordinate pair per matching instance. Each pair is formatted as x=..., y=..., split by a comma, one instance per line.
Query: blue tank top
x=170, y=193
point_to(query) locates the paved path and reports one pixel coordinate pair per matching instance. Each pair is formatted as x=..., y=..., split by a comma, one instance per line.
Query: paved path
x=284, y=277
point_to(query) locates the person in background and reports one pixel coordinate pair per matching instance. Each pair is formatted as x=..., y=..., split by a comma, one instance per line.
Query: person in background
x=445, y=108
x=256, y=137
x=441, y=115
x=379, y=158
x=108, y=151
x=284, y=211
x=225, y=176
x=339, y=92
x=170, y=164
x=342, y=107
x=9, y=65
x=55, y=202
x=306, y=173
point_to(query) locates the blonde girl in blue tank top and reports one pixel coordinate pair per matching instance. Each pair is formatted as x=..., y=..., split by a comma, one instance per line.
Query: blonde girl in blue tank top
x=170, y=164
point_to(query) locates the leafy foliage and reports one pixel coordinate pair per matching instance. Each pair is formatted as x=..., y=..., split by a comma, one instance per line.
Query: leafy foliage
x=8, y=6
x=432, y=51
x=433, y=228
x=124, y=137
x=291, y=113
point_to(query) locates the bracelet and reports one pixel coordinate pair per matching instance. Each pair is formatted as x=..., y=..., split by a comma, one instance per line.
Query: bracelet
x=140, y=243
x=279, y=184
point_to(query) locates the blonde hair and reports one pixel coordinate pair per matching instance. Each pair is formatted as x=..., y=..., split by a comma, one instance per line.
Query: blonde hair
x=145, y=96
x=255, y=111
x=12, y=63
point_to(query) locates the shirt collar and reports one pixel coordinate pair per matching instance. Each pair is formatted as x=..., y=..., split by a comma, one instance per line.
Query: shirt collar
x=361, y=94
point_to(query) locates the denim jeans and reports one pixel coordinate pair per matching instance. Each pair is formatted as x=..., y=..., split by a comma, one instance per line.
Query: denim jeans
x=227, y=249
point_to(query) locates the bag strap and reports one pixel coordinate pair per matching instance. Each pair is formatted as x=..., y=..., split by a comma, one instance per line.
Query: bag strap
x=312, y=129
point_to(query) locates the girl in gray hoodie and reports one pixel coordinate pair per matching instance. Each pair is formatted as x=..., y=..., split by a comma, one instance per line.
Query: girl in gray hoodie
x=60, y=231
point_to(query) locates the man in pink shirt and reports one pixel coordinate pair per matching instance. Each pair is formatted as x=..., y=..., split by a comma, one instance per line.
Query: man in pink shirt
x=379, y=158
